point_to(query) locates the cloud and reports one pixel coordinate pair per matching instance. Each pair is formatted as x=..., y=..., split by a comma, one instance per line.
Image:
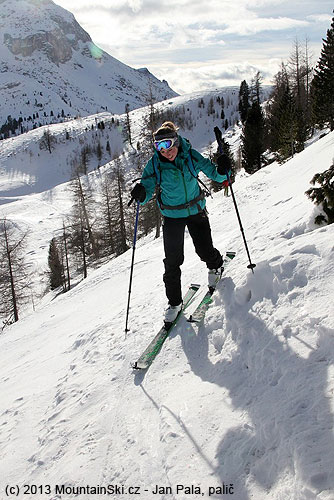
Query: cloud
x=257, y=25
x=216, y=74
x=142, y=24
x=178, y=40
x=320, y=18
x=178, y=22
x=135, y=5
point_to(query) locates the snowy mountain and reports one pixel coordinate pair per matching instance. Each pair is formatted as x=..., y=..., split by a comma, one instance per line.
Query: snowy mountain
x=245, y=401
x=49, y=65
x=26, y=169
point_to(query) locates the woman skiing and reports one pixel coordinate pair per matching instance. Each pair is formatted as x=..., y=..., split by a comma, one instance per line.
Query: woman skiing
x=174, y=168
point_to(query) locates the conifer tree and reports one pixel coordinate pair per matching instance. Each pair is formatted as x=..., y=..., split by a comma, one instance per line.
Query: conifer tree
x=253, y=144
x=65, y=254
x=83, y=211
x=243, y=101
x=323, y=195
x=56, y=273
x=14, y=277
x=253, y=139
x=47, y=141
x=118, y=209
x=79, y=242
x=308, y=72
x=287, y=126
x=255, y=90
x=84, y=159
x=211, y=107
x=299, y=71
x=99, y=151
x=322, y=87
x=108, y=216
x=285, y=121
x=272, y=108
x=128, y=124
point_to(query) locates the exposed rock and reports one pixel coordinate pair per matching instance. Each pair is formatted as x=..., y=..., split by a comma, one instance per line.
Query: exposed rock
x=59, y=68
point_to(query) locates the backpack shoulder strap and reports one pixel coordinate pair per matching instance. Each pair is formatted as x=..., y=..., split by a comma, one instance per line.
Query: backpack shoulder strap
x=195, y=174
x=191, y=165
x=156, y=168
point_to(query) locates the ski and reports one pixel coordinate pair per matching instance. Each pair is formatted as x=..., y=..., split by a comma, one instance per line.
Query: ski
x=150, y=353
x=198, y=315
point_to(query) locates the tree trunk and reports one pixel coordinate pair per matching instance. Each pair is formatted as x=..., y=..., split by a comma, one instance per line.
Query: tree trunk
x=12, y=284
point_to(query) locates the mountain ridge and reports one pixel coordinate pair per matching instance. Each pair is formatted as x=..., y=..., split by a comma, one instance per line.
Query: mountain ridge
x=50, y=63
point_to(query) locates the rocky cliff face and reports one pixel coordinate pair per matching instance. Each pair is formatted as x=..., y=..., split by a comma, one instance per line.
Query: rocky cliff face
x=57, y=47
x=49, y=62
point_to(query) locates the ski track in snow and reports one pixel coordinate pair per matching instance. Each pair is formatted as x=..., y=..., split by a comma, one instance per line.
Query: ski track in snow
x=275, y=396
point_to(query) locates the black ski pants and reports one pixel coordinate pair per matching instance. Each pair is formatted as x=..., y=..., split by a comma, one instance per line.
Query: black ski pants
x=173, y=236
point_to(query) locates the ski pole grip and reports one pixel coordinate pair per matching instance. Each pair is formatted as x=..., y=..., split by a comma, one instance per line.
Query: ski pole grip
x=218, y=135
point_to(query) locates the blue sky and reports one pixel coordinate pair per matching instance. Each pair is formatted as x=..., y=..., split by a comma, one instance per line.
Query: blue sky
x=202, y=44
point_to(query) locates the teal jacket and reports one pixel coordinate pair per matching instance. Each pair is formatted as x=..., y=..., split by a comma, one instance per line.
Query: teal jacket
x=178, y=185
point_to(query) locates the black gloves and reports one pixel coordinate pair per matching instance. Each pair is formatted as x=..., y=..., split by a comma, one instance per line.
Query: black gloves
x=224, y=164
x=138, y=193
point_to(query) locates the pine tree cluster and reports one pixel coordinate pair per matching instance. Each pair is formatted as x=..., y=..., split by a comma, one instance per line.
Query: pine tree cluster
x=301, y=99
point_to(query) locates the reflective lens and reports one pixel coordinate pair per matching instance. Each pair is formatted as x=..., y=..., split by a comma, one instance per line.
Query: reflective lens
x=164, y=144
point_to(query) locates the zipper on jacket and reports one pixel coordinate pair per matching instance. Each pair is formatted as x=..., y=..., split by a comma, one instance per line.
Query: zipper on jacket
x=185, y=191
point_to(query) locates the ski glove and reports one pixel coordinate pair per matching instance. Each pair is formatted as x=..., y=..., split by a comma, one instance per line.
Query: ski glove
x=138, y=193
x=224, y=164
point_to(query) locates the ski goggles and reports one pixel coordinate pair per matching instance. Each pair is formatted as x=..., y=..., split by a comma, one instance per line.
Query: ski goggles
x=165, y=144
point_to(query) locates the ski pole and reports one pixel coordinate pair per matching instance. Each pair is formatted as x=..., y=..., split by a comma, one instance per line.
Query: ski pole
x=132, y=263
x=218, y=135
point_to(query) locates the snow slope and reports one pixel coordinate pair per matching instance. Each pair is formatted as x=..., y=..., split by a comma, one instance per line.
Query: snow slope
x=25, y=169
x=245, y=400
